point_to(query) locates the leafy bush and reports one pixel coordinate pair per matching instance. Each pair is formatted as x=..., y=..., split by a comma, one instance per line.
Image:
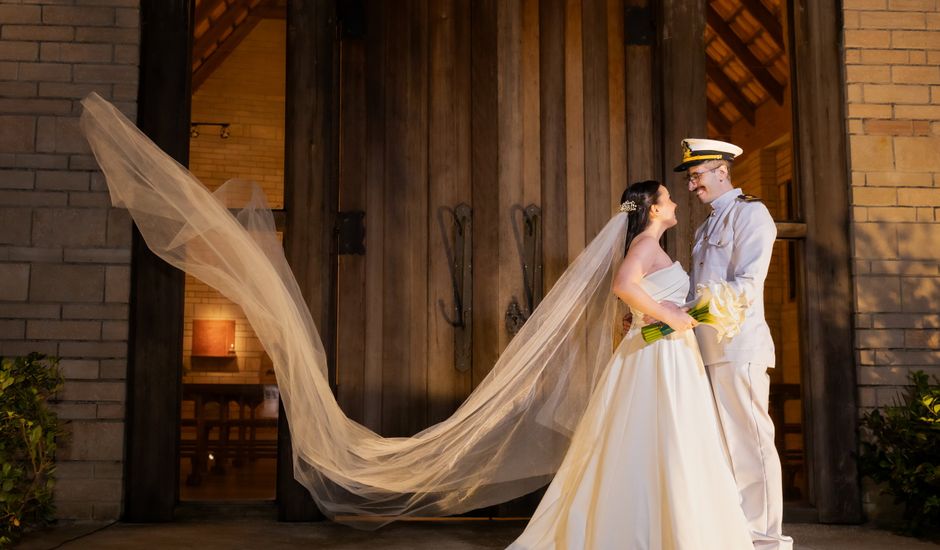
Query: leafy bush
x=28, y=432
x=901, y=450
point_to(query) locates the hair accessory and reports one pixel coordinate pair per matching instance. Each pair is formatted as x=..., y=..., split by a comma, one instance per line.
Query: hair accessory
x=628, y=206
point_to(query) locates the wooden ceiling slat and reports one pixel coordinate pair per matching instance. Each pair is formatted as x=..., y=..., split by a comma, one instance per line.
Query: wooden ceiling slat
x=731, y=90
x=202, y=73
x=212, y=47
x=221, y=26
x=206, y=8
x=766, y=19
x=745, y=55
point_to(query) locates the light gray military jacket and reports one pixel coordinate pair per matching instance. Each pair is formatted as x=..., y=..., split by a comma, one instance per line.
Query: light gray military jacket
x=735, y=244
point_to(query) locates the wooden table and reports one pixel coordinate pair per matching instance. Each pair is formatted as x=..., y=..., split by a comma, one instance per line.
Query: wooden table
x=246, y=396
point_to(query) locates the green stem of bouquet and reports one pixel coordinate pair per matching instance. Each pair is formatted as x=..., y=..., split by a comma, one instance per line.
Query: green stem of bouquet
x=654, y=332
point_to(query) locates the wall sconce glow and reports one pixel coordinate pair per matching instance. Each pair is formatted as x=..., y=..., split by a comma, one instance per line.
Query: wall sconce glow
x=213, y=338
x=223, y=128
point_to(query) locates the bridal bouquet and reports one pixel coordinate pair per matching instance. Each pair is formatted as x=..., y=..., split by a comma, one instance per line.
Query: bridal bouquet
x=716, y=304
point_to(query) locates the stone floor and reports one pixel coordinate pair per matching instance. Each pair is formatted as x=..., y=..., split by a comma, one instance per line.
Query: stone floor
x=437, y=535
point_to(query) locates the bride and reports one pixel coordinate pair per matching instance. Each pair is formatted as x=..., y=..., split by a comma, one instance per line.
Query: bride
x=630, y=430
x=646, y=467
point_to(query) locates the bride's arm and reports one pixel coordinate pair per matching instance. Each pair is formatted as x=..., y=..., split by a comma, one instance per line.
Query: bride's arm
x=627, y=287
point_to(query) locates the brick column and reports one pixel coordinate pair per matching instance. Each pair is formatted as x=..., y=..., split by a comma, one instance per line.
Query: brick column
x=892, y=55
x=64, y=253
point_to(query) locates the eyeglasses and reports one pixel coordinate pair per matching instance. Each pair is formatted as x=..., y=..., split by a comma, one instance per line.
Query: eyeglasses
x=695, y=176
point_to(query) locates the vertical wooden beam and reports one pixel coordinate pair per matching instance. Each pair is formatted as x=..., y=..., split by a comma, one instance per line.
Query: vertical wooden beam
x=823, y=171
x=310, y=201
x=151, y=470
x=681, y=63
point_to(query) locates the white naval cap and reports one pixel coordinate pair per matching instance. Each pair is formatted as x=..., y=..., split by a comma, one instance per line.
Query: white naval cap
x=696, y=151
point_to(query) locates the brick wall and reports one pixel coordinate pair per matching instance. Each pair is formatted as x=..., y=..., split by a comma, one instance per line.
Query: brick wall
x=893, y=89
x=892, y=56
x=64, y=253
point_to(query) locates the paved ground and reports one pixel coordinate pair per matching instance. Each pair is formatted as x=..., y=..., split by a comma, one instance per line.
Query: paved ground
x=449, y=535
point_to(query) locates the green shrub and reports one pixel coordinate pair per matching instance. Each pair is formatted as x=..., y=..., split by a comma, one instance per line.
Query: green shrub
x=28, y=432
x=901, y=450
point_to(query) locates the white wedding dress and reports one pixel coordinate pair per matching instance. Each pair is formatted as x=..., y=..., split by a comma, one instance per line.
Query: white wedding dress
x=646, y=468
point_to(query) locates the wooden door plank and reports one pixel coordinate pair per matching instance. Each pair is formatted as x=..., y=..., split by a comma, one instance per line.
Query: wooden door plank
x=553, y=134
x=642, y=143
x=574, y=127
x=375, y=212
x=449, y=185
x=529, y=94
x=405, y=380
x=596, y=117
x=462, y=107
x=510, y=191
x=350, y=276
x=484, y=163
x=617, y=102
x=416, y=147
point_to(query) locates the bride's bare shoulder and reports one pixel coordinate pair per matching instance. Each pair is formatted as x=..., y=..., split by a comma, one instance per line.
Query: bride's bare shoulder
x=644, y=246
x=646, y=254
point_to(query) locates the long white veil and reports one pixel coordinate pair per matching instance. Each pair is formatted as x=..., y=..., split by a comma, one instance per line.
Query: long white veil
x=506, y=440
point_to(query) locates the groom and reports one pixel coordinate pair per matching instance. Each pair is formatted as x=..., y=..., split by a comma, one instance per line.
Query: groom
x=735, y=244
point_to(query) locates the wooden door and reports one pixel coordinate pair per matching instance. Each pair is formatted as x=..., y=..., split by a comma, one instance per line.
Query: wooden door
x=495, y=105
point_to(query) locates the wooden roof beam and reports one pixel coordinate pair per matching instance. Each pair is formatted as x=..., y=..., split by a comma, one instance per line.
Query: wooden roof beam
x=225, y=22
x=731, y=90
x=745, y=55
x=206, y=8
x=767, y=20
x=219, y=55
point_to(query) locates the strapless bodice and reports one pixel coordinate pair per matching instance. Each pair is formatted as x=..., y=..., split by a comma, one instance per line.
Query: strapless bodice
x=667, y=284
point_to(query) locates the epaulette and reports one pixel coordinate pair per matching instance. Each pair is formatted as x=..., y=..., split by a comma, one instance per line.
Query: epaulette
x=749, y=198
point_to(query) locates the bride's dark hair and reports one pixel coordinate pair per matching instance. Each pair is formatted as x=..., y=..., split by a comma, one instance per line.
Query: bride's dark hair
x=644, y=194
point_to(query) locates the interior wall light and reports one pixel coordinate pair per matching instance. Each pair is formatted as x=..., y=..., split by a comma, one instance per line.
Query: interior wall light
x=223, y=129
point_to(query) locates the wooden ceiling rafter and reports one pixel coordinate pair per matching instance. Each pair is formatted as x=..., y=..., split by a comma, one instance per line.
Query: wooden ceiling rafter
x=206, y=8
x=227, y=30
x=223, y=50
x=744, y=54
x=767, y=20
x=233, y=15
x=730, y=89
